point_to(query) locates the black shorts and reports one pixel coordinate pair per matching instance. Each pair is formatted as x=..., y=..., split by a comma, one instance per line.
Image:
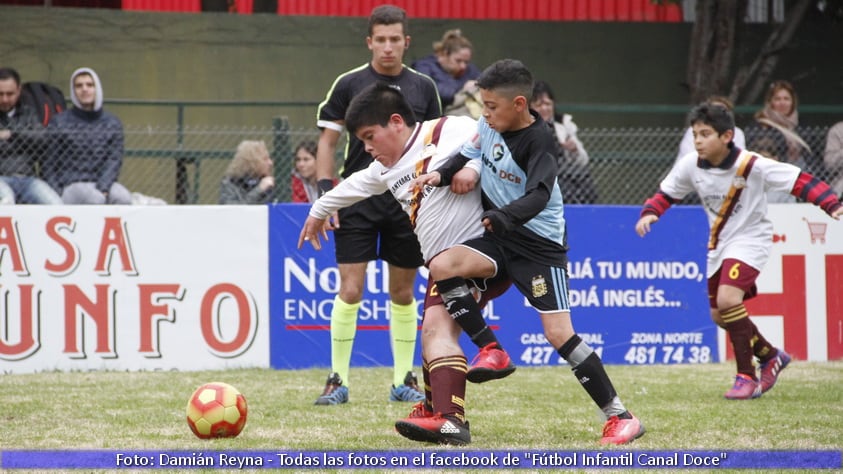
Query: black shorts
x=377, y=228
x=544, y=286
x=484, y=290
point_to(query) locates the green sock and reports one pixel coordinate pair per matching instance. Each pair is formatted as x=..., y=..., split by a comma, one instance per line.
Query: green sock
x=403, y=328
x=343, y=330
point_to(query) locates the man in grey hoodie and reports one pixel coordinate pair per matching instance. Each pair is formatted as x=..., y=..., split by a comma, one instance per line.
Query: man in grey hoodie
x=86, y=147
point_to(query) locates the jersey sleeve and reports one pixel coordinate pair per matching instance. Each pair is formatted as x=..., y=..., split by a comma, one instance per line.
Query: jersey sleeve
x=778, y=176
x=333, y=108
x=357, y=187
x=678, y=183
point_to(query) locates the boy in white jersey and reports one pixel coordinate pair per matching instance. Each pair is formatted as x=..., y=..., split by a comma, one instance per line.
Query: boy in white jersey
x=732, y=184
x=402, y=149
x=524, y=238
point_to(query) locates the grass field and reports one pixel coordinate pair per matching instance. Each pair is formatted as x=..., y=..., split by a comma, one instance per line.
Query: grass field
x=535, y=408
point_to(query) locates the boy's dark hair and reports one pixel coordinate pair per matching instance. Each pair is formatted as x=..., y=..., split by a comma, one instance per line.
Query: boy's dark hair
x=374, y=105
x=714, y=115
x=9, y=73
x=508, y=76
x=388, y=15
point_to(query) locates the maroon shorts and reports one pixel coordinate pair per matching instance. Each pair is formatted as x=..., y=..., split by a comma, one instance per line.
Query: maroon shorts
x=483, y=290
x=733, y=273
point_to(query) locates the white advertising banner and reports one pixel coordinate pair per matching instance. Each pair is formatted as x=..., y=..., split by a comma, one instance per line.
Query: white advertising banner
x=133, y=288
x=800, y=292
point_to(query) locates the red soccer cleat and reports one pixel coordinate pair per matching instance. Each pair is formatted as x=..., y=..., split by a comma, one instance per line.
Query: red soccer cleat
x=622, y=430
x=744, y=388
x=420, y=410
x=490, y=363
x=771, y=369
x=434, y=429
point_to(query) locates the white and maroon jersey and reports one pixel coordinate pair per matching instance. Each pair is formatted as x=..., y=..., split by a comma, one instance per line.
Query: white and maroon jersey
x=440, y=218
x=739, y=227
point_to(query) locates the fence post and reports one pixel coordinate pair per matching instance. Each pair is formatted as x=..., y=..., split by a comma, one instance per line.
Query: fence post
x=281, y=148
x=181, y=161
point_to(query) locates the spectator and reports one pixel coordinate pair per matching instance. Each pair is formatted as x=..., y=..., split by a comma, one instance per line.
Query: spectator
x=248, y=179
x=303, y=180
x=833, y=157
x=21, y=145
x=86, y=147
x=775, y=132
x=451, y=68
x=686, y=145
x=574, y=177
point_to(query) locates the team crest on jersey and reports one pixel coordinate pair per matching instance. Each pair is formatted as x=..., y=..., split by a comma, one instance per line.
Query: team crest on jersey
x=739, y=182
x=539, y=286
x=497, y=152
x=429, y=150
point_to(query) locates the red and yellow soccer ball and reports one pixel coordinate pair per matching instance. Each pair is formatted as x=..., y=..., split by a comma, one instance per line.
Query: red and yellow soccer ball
x=216, y=410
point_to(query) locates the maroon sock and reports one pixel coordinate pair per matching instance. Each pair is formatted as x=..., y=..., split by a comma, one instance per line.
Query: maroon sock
x=760, y=346
x=740, y=330
x=447, y=382
x=428, y=397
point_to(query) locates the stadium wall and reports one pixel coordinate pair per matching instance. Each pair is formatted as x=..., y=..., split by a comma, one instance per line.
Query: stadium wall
x=213, y=287
x=268, y=57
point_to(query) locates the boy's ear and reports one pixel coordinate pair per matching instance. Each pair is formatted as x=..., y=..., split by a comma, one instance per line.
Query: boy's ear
x=728, y=134
x=520, y=102
x=396, y=119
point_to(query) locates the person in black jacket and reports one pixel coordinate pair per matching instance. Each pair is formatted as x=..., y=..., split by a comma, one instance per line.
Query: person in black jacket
x=86, y=147
x=21, y=147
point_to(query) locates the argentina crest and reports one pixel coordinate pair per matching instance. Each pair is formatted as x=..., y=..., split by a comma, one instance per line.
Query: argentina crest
x=539, y=286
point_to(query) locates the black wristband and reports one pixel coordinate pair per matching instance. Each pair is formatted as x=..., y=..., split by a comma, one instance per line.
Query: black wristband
x=325, y=185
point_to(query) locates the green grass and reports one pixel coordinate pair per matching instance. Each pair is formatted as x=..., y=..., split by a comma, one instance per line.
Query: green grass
x=535, y=408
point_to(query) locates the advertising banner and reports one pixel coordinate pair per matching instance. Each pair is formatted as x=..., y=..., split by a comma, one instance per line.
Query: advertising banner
x=800, y=292
x=133, y=288
x=636, y=301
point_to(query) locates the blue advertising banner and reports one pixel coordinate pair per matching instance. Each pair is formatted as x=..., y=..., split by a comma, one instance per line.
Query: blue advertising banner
x=636, y=301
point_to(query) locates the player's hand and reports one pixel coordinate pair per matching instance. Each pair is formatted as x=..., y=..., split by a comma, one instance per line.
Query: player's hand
x=836, y=214
x=332, y=223
x=428, y=179
x=496, y=221
x=642, y=227
x=310, y=232
x=464, y=181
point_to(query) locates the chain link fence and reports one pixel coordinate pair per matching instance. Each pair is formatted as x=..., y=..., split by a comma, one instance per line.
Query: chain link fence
x=185, y=164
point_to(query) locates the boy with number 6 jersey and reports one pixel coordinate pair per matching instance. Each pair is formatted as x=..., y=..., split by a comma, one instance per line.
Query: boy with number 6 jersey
x=732, y=184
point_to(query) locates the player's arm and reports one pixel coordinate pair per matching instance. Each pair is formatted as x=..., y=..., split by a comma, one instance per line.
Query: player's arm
x=652, y=210
x=357, y=187
x=541, y=178
x=812, y=189
x=441, y=176
x=326, y=152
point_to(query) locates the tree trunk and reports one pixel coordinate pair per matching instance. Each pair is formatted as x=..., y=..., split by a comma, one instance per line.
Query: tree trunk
x=712, y=47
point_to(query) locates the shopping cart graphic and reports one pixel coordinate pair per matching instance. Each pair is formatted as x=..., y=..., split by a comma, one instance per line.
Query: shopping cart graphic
x=817, y=230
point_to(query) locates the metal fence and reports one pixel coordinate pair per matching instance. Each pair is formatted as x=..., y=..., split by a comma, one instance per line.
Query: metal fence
x=185, y=164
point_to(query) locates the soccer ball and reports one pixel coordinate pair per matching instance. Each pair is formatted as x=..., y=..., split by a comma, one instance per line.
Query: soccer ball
x=216, y=410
